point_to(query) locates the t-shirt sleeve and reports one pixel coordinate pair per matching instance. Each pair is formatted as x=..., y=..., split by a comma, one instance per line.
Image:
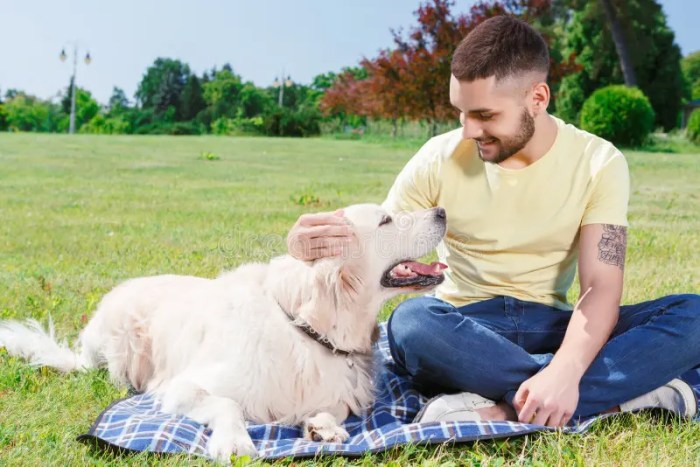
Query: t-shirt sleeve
x=610, y=196
x=417, y=185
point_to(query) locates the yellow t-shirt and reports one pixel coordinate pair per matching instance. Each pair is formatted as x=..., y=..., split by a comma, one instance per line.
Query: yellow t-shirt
x=514, y=232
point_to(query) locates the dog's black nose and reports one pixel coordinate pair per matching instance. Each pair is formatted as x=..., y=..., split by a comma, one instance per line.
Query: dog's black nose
x=440, y=213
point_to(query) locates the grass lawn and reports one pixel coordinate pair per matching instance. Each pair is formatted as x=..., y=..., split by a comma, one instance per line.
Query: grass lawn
x=80, y=214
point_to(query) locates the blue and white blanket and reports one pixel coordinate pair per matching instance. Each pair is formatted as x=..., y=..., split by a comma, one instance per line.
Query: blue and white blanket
x=137, y=424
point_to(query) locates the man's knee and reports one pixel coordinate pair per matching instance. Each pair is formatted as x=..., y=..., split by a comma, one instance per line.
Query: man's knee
x=687, y=305
x=692, y=300
x=690, y=306
x=409, y=322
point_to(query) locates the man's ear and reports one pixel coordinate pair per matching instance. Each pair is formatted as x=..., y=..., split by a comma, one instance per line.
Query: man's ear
x=540, y=98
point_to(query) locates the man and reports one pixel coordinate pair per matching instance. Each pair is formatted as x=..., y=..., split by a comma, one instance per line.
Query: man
x=528, y=197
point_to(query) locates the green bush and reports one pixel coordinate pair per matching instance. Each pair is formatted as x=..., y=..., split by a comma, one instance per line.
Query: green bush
x=3, y=118
x=618, y=113
x=693, y=128
x=171, y=128
x=28, y=113
x=238, y=126
x=185, y=128
x=103, y=125
x=287, y=122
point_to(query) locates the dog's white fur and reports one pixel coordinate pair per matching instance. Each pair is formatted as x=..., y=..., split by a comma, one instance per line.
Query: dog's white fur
x=224, y=350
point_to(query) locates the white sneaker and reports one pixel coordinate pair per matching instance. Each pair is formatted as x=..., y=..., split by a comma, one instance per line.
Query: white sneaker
x=675, y=396
x=461, y=407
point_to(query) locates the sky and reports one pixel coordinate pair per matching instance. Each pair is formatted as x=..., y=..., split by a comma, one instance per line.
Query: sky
x=261, y=39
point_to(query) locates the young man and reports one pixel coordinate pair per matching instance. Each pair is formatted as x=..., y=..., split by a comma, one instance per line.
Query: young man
x=528, y=198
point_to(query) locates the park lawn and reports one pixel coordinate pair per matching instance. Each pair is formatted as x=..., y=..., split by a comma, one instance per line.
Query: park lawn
x=81, y=213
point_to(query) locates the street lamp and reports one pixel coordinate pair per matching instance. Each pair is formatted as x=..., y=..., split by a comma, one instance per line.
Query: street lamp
x=87, y=59
x=282, y=83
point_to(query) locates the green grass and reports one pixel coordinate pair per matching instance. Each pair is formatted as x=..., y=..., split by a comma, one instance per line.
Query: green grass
x=80, y=214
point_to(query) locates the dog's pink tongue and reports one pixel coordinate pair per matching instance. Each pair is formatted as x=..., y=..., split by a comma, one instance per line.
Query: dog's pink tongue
x=432, y=269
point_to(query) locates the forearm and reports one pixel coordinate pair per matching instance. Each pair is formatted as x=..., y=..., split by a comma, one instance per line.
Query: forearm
x=590, y=327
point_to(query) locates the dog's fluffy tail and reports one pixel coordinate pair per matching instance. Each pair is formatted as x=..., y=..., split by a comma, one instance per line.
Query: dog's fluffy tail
x=32, y=342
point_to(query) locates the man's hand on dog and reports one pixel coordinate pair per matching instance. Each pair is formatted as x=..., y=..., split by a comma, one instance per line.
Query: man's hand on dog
x=319, y=235
x=548, y=398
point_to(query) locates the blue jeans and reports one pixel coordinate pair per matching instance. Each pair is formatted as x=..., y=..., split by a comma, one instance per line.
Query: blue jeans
x=493, y=346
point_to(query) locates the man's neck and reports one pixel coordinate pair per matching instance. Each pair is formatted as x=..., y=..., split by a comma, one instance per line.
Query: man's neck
x=540, y=143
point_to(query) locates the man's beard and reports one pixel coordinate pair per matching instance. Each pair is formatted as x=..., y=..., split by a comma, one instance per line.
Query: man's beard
x=513, y=144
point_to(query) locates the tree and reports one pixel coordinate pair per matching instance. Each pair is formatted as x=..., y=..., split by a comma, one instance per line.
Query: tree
x=86, y=107
x=347, y=96
x=618, y=37
x=192, y=100
x=66, y=99
x=389, y=98
x=323, y=81
x=28, y=113
x=253, y=101
x=222, y=93
x=655, y=57
x=417, y=71
x=161, y=87
x=691, y=71
x=118, y=102
x=3, y=116
x=427, y=53
x=12, y=93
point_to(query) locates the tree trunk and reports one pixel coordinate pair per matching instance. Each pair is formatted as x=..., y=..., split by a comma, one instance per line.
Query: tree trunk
x=620, y=43
x=395, y=127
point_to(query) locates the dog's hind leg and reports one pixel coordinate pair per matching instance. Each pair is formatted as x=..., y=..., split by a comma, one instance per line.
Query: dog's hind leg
x=222, y=415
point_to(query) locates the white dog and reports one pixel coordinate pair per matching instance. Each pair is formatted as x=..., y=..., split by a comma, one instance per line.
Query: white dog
x=287, y=341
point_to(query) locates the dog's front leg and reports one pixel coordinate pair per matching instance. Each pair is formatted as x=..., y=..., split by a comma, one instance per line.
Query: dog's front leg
x=325, y=426
x=222, y=415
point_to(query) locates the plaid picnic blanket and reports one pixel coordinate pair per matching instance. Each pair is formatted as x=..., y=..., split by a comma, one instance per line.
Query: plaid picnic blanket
x=137, y=424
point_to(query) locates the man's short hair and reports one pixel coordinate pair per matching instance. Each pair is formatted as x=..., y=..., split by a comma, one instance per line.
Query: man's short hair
x=501, y=46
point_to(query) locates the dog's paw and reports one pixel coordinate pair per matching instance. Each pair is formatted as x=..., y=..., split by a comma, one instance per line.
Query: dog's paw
x=222, y=445
x=323, y=427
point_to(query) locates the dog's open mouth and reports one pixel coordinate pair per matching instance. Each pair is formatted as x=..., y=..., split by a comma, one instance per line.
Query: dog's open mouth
x=414, y=274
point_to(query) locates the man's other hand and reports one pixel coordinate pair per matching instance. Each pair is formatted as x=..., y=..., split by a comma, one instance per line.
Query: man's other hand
x=548, y=398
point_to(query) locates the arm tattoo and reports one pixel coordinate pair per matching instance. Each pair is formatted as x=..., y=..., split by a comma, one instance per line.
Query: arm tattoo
x=612, y=247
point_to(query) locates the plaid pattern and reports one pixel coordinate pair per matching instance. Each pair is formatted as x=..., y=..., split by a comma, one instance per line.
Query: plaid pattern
x=137, y=424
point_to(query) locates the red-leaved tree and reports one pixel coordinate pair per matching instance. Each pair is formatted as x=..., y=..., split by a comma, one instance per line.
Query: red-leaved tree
x=412, y=81
x=387, y=96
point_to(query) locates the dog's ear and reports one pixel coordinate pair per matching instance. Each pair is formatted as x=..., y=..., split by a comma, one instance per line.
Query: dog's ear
x=338, y=284
x=350, y=283
x=307, y=290
x=320, y=305
x=315, y=292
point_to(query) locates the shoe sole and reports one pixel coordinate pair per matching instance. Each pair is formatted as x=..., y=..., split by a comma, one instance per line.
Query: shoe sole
x=688, y=395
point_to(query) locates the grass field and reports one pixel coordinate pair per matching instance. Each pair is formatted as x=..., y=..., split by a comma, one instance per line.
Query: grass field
x=79, y=214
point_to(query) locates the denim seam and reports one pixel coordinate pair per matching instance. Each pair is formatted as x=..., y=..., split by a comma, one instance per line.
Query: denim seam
x=508, y=305
x=521, y=338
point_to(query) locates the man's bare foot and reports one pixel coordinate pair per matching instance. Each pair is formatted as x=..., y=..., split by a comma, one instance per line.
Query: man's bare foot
x=499, y=412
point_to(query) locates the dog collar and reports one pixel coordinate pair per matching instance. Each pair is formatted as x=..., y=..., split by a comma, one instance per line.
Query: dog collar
x=312, y=333
x=321, y=339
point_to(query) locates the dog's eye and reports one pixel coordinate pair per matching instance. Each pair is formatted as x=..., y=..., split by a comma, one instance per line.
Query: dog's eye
x=385, y=220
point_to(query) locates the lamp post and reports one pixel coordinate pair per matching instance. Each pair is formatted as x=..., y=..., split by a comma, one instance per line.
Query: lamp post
x=282, y=83
x=87, y=59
